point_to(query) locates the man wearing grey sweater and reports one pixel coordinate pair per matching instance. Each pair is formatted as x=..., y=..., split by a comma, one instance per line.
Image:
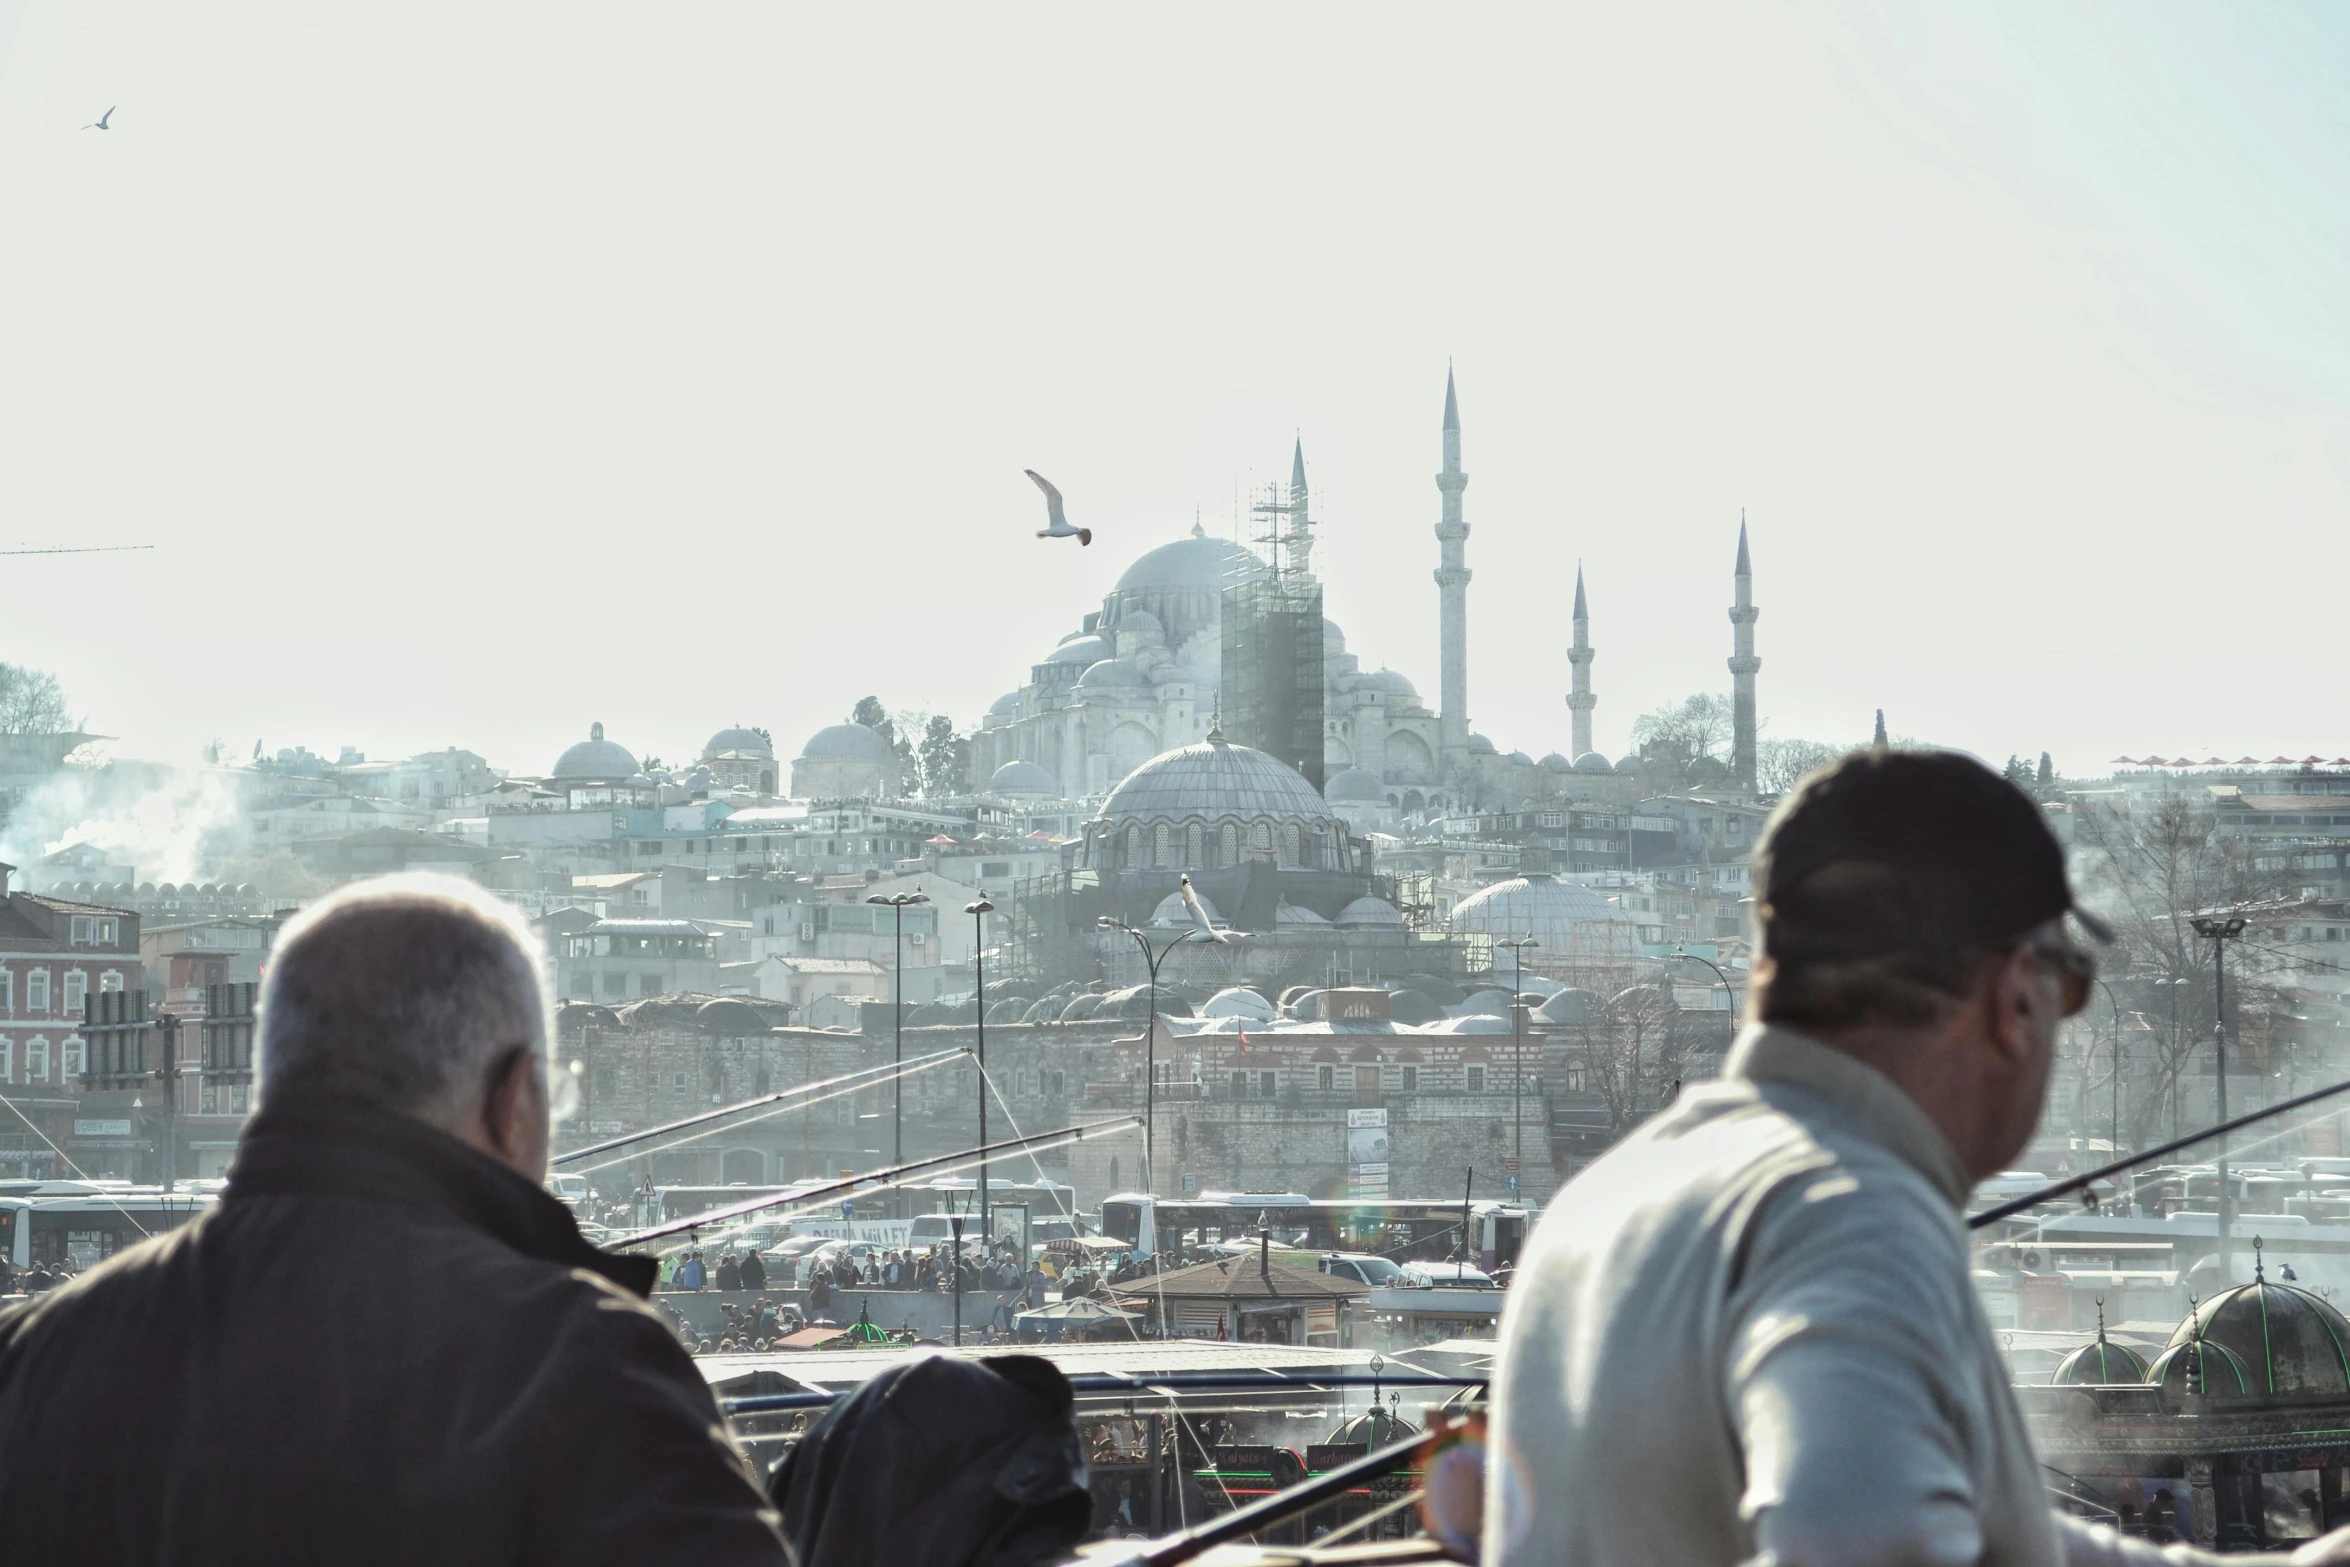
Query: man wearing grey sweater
x=1749, y=1333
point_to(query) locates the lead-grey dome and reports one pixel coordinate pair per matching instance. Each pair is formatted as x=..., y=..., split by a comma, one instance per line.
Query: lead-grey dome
x=739, y=740
x=1569, y=922
x=1114, y=673
x=1081, y=649
x=1018, y=777
x=595, y=757
x=1368, y=913
x=1354, y=786
x=1592, y=762
x=1213, y=779
x=847, y=743
x=1196, y=562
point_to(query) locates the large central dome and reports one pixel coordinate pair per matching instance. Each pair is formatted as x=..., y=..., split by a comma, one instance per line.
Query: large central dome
x=1214, y=779
x=1200, y=561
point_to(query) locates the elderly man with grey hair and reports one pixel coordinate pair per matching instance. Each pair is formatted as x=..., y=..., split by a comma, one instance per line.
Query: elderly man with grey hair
x=387, y=1343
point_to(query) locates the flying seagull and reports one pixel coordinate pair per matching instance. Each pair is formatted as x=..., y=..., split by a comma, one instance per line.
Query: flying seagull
x=1059, y=521
x=99, y=124
x=1199, y=916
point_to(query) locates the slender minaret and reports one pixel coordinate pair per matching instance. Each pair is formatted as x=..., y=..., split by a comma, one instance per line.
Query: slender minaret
x=1743, y=664
x=1452, y=590
x=1580, y=701
x=1300, y=531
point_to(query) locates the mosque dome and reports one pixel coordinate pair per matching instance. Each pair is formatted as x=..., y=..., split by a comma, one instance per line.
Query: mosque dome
x=738, y=740
x=1568, y=1005
x=1019, y=777
x=1555, y=763
x=1240, y=1001
x=1480, y=746
x=1592, y=762
x=845, y=743
x=1212, y=779
x=1630, y=764
x=1369, y=913
x=1288, y=913
x=1005, y=705
x=2295, y=1346
x=2100, y=1362
x=1569, y=922
x=1521, y=759
x=595, y=757
x=1387, y=680
x=1114, y=674
x=1354, y=786
x=1199, y=561
x=1084, y=648
x=1333, y=639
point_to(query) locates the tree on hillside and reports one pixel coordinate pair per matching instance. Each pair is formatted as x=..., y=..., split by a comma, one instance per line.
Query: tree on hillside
x=33, y=703
x=1684, y=743
x=945, y=756
x=1779, y=765
x=873, y=716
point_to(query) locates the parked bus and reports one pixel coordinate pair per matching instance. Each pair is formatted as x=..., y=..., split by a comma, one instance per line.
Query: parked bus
x=1399, y=1228
x=87, y=1226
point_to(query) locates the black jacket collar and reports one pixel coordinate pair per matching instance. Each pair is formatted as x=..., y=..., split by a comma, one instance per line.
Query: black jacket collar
x=341, y=1148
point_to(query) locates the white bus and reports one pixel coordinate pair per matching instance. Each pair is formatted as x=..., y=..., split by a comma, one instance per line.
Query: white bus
x=85, y=1223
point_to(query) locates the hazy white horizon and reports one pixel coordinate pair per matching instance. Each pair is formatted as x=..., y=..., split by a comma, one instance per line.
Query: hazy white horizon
x=484, y=371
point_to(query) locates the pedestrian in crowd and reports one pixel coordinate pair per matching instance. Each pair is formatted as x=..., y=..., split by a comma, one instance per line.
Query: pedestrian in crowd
x=1001, y=1321
x=1765, y=1292
x=730, y=1272
x=691, y=1275
x=752, y=1273
x=253, y=1378
x=1035, y=1283
x=893, y=1272
x=820, y=1295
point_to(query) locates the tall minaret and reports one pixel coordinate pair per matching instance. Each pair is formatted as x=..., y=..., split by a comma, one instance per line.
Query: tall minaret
x=1743, y=664
x=1300, y=538
x=1580, y=701
x=1452, y=591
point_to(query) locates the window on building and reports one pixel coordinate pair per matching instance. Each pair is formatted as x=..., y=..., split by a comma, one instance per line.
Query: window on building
x=36, y=1060
x=649, y=984
x=7, y=991
x=1240, y=1085
x=1267, y=1082
x=74, y=1057
x=109, y=932
x=1411, y=1079
x=1476, y=1079
x=36, y=994
x=110, y=982
x=615, y=984
x=677, y=1079
x=1325, y=1076
x=7, y=1059
x=77, y=986
x=79, y=930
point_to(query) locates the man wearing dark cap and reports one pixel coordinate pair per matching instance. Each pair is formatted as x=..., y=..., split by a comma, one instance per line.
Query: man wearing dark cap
x=1750, y=1333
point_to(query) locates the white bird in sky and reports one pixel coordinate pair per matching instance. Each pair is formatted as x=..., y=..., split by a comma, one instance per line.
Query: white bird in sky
x=1059, y=521
x=99, y=124
x=1199, y=915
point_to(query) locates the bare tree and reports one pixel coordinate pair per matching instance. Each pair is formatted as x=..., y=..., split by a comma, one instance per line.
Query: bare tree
x=33, y=703
x=1636, y=1046
x=1684, y=743
x=1779, y=765
x=2151, y=866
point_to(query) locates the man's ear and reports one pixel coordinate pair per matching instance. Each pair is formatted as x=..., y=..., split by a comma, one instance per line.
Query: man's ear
x=2010, y=1002
x=513, y=1101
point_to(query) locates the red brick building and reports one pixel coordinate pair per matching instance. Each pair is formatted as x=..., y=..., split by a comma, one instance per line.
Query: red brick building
x=54, y=954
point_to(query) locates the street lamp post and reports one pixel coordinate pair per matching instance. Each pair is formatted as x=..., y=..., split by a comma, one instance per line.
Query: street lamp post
x=2114, y=1137
x=1150, y=1041
x=2219, y=930
x=1517, y=1058
x=979, y=911
x=897, y=1103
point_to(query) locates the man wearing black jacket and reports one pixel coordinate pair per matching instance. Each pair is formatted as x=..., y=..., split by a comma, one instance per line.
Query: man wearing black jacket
x=387, y=1343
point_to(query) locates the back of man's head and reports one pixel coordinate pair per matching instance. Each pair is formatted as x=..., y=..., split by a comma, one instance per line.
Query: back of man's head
x=1886, y=883
x=406, y=993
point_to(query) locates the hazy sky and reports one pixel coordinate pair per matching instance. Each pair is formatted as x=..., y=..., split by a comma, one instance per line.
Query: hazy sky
x=483, y=370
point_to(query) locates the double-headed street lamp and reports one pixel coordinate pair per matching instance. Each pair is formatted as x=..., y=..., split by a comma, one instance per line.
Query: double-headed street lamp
x=1517, y=1057
x=979, y=911
x=2219, y=930
x=1150, y=1046
x=897, y=1118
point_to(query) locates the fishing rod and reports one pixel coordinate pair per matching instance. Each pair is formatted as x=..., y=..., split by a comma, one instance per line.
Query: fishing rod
x=1112, y=1384
x=1328, y=1486
x=1034, y=1142
x=777, y=1097
x=2071, y=1184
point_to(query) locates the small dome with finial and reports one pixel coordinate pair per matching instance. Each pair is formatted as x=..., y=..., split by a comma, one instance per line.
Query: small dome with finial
x=2197, y=1367
x=2100, y=1361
